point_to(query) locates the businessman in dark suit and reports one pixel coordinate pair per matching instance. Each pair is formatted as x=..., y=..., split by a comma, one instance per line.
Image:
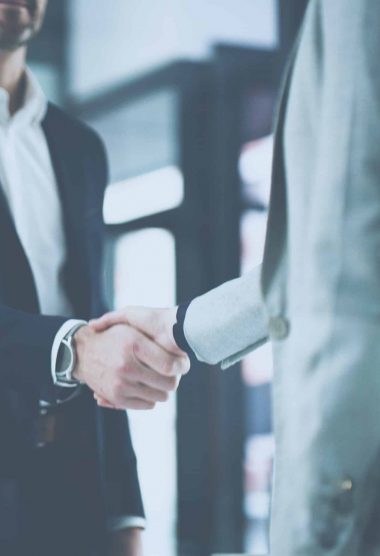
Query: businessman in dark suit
x=68, y=479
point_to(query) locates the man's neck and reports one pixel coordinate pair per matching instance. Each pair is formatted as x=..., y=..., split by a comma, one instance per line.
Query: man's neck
x=12, y=73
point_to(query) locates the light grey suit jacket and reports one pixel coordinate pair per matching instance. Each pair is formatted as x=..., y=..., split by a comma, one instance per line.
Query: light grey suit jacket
x=318, y=294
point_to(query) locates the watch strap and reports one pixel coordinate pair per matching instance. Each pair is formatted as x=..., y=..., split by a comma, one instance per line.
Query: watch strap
x=66, y=358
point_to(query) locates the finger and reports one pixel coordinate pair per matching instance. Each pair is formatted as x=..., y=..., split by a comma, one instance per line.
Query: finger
x=150, y=394
x=99, y=398
x=108, y=320
x=137, y=403
x=141, y=391
x=157, y=324
x=103, y=402
x=148, y=322
x=151, y=378
x=144, y=319
x=106, y=405
x=128, y=403
x=157, y=358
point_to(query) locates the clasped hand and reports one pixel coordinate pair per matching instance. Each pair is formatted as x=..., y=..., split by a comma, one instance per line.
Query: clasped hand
x=129, y=358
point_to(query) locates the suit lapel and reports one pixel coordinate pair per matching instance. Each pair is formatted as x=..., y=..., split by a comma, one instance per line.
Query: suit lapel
x=275, y=245
x=69, y=171
x=17, y=287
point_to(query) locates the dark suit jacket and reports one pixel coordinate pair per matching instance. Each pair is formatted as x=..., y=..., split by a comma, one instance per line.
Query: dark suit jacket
x=100, y=438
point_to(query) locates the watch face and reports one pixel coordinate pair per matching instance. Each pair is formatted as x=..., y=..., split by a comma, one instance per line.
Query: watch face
x=65, y=359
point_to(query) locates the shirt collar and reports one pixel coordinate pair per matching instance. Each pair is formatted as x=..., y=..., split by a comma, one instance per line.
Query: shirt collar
x=33, y=109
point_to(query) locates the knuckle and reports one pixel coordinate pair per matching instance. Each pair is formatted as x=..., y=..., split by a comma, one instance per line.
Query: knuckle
x=115, y=392
x=117, y=388
x=120, y=365
x=165, y=396
x=120, y=384
x=169, y=368
x=138, y=348
x=126, y=352
x=185, y=365
x=172, y=384
x=120, y=371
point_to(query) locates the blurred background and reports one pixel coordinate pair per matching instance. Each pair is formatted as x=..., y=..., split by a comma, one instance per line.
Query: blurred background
x=183, y=92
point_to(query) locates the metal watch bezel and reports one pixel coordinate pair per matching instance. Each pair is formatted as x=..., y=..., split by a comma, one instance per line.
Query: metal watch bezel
x=65, y=378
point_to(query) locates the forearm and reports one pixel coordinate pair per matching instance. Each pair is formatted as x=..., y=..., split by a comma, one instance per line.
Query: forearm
x=25, y=348
x=224, y=324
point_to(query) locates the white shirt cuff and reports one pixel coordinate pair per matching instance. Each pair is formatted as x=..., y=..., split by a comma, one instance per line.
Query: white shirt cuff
x=126, y=522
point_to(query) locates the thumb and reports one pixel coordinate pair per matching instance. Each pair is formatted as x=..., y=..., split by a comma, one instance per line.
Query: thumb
x=103, y=402
x=108, y=320
x=144, y=319
x=156, y=324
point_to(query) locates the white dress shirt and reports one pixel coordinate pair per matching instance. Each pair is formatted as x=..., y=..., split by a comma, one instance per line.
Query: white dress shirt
x=30, y=187
x=29, y=183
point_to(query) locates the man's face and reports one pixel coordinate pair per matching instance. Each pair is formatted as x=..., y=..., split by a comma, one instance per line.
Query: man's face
x=20, y=20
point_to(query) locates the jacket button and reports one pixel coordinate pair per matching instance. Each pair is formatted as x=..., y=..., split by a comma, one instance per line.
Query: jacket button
x=279, y=328
x=346, y=485
x=344, y=500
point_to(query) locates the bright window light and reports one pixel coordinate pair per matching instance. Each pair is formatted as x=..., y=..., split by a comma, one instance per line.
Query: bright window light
x=144, y=195
x=145, y=274
x=255, y=166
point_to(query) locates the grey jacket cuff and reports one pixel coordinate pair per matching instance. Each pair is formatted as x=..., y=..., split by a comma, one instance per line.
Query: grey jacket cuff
x=228, y=322
x=178, y=330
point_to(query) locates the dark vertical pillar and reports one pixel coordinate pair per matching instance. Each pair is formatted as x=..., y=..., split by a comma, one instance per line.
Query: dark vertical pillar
x=194, y=270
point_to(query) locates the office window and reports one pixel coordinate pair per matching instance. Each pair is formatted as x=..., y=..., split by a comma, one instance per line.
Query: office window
x=146, y=182
x=145, y=275
x=140, y=135
x=144, y=195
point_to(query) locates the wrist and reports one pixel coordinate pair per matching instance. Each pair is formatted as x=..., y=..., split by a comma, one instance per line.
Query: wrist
x=164, y=329
x=81, y=340
x=178, y=329
x=126, y=542
x=170, y=320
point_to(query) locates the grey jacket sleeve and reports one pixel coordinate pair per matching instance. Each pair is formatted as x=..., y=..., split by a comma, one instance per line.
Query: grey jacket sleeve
x=228, y=322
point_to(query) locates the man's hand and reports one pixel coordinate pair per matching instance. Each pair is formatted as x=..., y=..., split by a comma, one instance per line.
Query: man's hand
x=126, y=542
x=157, y=324
x=126, y=368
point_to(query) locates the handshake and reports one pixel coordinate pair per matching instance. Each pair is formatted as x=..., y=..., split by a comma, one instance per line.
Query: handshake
x=129, y=358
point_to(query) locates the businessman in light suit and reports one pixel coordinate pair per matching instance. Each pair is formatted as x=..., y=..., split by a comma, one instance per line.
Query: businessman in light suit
x=317, y=297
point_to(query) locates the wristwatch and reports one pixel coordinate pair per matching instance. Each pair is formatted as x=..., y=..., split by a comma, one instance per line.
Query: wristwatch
x=67, y=359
